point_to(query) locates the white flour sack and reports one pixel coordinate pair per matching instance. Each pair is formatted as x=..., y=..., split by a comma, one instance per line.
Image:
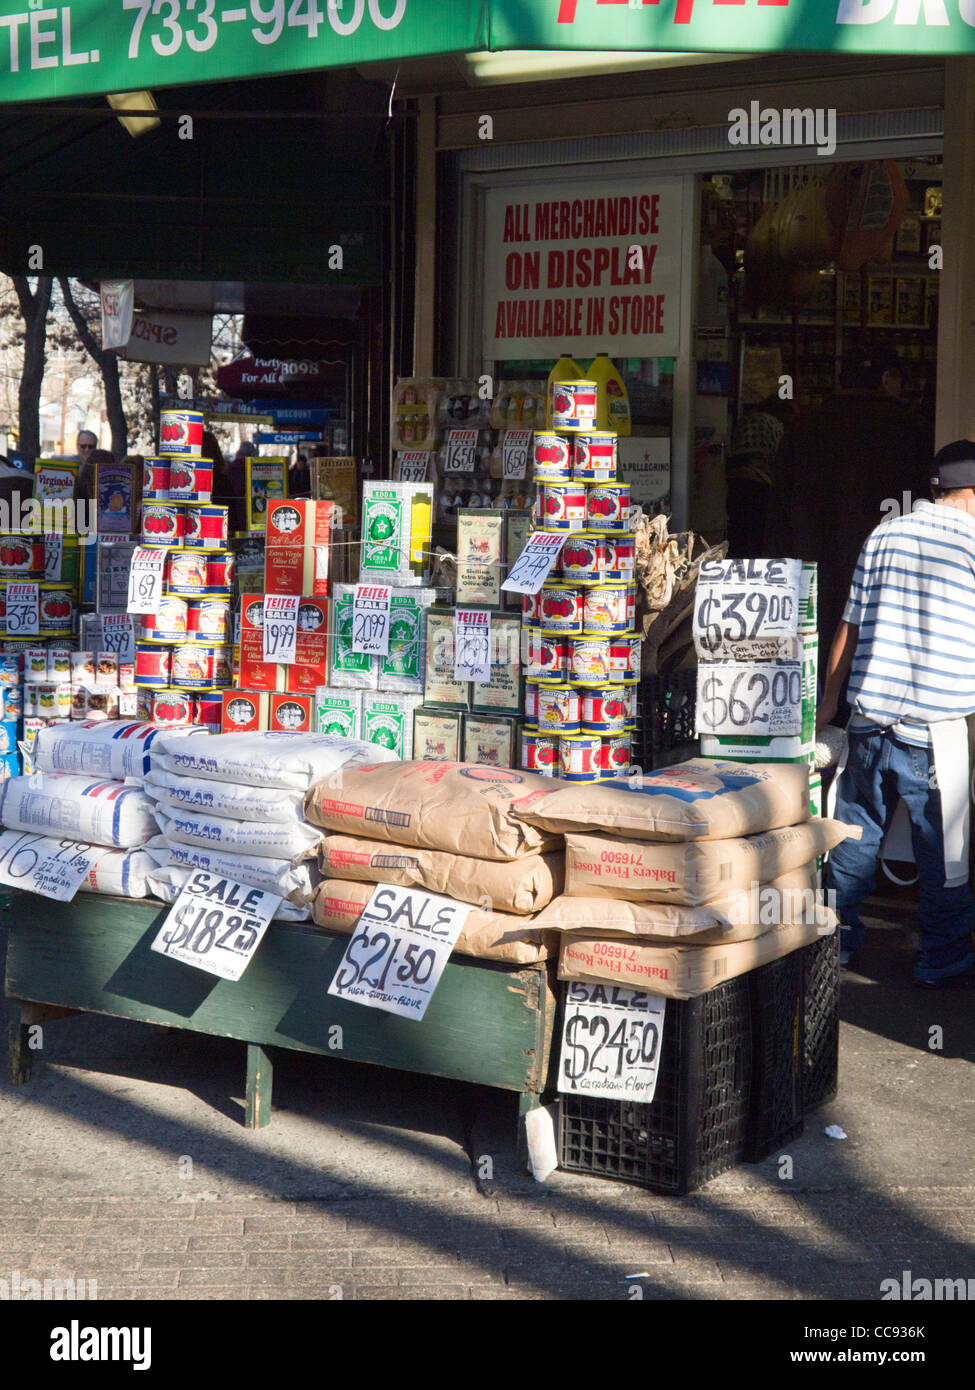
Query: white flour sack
x=703, y=798
x=268, y=804
x=463, y=808
x=78, y=808
x=695, y=871
x=116, y=748
x=519, y=885
x=120, y=872
x=168, y=883
x=265, y=760
x=273, y=875
x=789, y=900
x=499, y=936
x=266, y=839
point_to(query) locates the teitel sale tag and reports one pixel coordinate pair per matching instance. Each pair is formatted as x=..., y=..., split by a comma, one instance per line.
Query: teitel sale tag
x=747, y=610
x=22, y=610
x=43, y=864
x=402, y=942
x=472, y=645
x=216, y=925
x=461, y=451
x=514, y=453
x=145, y=580
x=611, y=1042
x=413, y=466
x=280, y=627
x=370, y=619
x=749, y=699
x=535, y=563
x=118, y=636
x=53, y=551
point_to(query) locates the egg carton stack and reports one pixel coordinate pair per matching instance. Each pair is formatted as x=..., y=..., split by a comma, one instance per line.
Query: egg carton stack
x=579, y=643
x=184, y=651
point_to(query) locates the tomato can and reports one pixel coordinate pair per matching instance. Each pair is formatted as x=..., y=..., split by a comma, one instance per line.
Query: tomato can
x=55, y=610
x=579, y=759
x=168, y=624
x=207, y=710
x=606, y=609
x=530, y=608
x=163, y=523
x=153, y=664
x=191, y=480
x=589, y=660
x=595, y=457
x=624, y=657
x=21, y=557
x=562, y=506
x=181, y=433
x=608, y=506
x=552, y=457
x=605, y=710
x=531, y=701
x=208, y=620
x=540, y=753
x=155, y=480
x=206, y=527
x=574, y=405
x=615, y=756
x=169, y=708
x=186, y=572
x=620, y=555
x=220, y=570
x=559, y=709
x=546, y=655
x=198, y=664
x=583, y=557
x=561, y=608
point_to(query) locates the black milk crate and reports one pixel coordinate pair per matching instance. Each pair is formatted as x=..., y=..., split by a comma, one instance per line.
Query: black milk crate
x=777, y=1054
x=821, y=983
x=697, y=1124
x=666, y=719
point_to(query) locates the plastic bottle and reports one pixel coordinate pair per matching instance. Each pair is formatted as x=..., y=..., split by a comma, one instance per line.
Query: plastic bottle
x=565, y=369
x=612, y=402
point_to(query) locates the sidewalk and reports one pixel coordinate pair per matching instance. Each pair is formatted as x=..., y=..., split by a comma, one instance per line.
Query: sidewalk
x=125, y=1161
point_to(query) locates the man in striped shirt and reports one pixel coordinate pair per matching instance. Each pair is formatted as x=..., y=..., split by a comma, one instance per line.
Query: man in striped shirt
x=907, y=641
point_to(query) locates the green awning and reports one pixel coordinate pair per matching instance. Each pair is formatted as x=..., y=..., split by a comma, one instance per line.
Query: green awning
x=96, y=46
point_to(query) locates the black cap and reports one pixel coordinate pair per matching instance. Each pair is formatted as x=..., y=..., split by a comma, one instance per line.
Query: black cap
x=954, y=465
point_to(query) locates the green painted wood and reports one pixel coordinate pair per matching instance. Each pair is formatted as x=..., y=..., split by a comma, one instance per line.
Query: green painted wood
x=19, y=1057
x=260, y=1080
x=485, y=1023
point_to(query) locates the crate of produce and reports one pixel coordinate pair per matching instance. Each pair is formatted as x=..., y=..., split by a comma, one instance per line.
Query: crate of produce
x=777, y=1055
x=821, y=987
x=697, y=1123
x=666, y=718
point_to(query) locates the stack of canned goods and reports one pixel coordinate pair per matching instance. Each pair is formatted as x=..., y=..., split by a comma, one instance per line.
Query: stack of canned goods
x=60, y=684
x=581, y=654
x=11, y=715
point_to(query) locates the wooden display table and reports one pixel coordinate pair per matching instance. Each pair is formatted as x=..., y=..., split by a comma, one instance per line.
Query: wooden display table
x=486, y=1023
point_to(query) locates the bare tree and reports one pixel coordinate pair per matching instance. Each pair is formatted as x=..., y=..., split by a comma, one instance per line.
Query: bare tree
x=107, y=363
x=34, y=306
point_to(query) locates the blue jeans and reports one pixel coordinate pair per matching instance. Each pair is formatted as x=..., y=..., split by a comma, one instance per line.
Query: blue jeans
x=881, y=769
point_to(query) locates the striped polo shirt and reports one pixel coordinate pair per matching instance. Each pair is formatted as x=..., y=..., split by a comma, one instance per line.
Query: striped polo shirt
x=913, y=599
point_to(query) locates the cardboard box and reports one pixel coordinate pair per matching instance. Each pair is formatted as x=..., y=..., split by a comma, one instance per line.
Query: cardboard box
x=439, y=686
x=244, y=711
x=490, y=739
x=291, y=713
x=437, y=735
x=296, y=557
x=310, y=669
x=338, y=712
x=480, y=553
x=388, y=721
x=403, y=668
x=677, y=971
x=396, y=530
x=348, y=669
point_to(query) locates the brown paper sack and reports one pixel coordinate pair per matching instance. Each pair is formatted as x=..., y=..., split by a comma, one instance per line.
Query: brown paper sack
x=697, y=871
x=520, y=886
x=338, y=904
x=463, y=808
x=704, y=798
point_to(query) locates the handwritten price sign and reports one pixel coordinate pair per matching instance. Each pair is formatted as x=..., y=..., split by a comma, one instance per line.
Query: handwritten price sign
x=535, y=563
x=747, y=610
x=611, y=1042
x=53, y=551
x=280, y=627
x=401, y=945
x=216, y=925
x=118, y=636
x=514, y=453
x=413, y=466
x=370, y=619
x=22, y=610
x=146, y=580
x=461, y=451
x=43, y=864
x=472, y=645
x=757, y=698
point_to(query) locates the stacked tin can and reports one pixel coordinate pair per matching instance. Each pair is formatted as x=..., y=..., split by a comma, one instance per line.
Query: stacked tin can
x=578, y=634
x=184, y=651
x=11, y=715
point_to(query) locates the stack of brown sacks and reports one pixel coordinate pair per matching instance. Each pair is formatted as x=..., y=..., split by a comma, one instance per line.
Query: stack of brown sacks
x=450, y=828
x=705, y=872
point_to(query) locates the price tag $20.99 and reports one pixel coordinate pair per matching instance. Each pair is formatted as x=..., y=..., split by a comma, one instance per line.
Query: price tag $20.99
x=472, y=645
x=370, y=619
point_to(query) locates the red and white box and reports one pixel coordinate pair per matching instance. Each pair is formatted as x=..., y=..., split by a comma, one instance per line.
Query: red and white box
x=245, y=711
x=291, y=713
x=311, y=648
x=296, y=556
x=254, y=673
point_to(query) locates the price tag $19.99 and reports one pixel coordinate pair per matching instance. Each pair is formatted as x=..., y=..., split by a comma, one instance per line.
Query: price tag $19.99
x=280, y=627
